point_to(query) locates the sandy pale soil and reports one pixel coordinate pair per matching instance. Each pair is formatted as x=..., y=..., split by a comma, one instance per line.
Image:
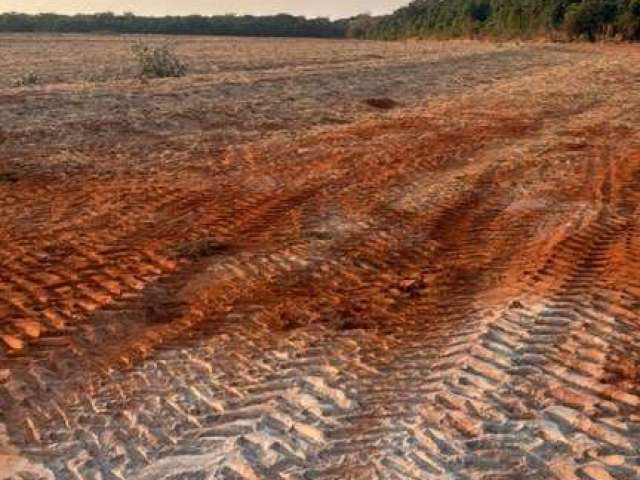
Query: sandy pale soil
x=321, y=289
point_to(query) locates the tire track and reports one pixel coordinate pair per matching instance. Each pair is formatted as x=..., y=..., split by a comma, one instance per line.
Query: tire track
x=364, y=324
x=517, y=393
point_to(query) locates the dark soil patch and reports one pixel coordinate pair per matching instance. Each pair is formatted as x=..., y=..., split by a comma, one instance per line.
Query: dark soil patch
x=8, y=177
x=382, y=103
x=197, y=249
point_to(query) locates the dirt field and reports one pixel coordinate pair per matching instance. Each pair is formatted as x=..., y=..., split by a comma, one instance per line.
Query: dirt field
x=250, y=273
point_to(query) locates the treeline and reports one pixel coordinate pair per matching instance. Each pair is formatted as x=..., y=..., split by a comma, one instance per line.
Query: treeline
x=276, y=25
x=571, y=19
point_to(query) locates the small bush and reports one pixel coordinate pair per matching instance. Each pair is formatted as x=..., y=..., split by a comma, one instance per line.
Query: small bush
x=157, y=61
x=27, y=79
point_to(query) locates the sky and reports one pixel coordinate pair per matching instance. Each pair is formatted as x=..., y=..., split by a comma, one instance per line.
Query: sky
x=310, y=8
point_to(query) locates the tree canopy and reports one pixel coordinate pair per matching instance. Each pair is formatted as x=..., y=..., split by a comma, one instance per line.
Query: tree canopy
x=588, y=19
x=276, y=25
x=573, y=19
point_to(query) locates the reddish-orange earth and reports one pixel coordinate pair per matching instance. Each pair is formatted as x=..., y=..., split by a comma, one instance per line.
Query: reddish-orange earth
x=449, y=291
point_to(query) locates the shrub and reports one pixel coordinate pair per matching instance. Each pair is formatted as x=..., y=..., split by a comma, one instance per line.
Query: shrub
x=27, y=79
x=157, y=61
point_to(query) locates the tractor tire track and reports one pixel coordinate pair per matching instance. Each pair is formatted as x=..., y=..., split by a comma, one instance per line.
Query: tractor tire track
x=461, y=305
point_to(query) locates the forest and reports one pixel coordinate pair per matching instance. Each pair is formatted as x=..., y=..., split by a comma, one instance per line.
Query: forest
x=282, y=25
x=556, y=19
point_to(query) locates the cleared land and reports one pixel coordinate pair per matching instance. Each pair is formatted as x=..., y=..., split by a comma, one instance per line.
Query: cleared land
x=250, y=273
